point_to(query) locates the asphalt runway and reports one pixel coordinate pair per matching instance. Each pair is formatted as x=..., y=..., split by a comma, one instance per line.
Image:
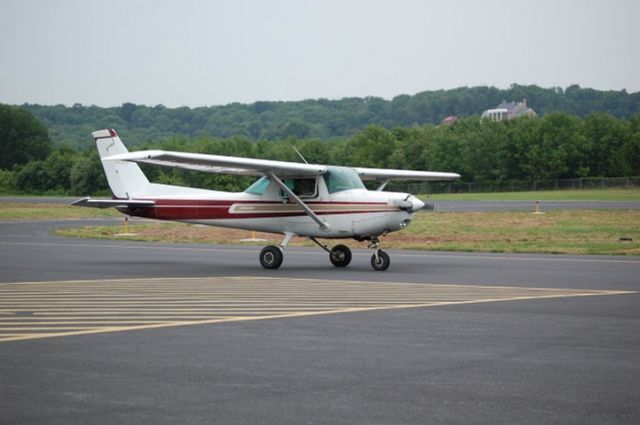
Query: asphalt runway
x=482, y=206
x=162, y=333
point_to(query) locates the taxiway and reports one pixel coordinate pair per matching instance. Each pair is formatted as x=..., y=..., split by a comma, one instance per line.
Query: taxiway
x=162, y=333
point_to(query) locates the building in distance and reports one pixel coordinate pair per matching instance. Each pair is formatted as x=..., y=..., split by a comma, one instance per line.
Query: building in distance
x=449, y=120
x=509, y=110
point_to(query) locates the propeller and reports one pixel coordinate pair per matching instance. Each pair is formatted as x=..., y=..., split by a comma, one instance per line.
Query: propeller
x=411, y=204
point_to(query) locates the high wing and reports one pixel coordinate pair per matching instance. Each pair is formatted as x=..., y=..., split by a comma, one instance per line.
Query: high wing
x=382, y=174
x=258, y=167
x=220, y=164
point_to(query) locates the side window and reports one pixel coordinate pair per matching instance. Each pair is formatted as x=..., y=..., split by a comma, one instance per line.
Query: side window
x=304, y=188
x=259, y=186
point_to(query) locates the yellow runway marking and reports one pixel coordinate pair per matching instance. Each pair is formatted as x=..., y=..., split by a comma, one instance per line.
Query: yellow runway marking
x=30, y=310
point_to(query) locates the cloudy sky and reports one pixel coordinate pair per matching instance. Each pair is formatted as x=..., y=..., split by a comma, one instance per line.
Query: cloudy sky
x=198, y=52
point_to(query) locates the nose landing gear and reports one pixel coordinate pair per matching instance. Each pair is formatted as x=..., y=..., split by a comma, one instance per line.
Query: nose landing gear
x=380, y=260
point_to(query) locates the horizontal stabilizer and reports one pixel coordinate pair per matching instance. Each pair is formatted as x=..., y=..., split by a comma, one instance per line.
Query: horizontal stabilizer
x=111, y=203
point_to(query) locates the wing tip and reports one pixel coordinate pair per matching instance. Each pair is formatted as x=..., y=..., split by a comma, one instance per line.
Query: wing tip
x=80, y=202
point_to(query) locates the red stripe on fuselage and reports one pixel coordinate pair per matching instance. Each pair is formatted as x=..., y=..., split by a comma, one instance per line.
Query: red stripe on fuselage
x=227, y=202
x=191, y=209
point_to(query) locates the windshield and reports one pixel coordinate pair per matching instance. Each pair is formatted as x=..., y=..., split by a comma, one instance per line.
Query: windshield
x=342, y=178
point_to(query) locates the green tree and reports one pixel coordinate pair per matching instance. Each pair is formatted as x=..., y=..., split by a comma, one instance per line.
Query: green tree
x=560, y=151
x=32, y=178
x=126, y=111
x=447, y=153
x=58, y=167
x=372, y=147
x=22, y=137
x=631, y=150
x=606, y=136
x=87, y=175
x=6, y=182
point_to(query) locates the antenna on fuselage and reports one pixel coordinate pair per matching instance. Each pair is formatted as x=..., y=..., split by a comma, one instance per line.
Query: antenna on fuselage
x=299, y=154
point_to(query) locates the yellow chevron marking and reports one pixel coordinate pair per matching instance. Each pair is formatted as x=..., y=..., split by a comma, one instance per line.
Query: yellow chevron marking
x=30, y=310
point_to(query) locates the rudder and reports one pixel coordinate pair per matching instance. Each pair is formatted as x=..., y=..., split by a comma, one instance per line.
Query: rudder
x=126, y=179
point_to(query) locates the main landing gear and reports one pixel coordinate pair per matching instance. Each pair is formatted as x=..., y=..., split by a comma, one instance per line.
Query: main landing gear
x=271, y=257
x=340, y=255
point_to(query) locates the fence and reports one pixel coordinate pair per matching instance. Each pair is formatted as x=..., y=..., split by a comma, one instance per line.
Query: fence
x=516, y=186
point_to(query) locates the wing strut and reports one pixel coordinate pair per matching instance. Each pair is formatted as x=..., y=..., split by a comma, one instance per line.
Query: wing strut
x=382, y=185
x=299, y=201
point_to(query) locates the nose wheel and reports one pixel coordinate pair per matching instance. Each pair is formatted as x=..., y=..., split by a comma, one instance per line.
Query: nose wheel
x=380, y=261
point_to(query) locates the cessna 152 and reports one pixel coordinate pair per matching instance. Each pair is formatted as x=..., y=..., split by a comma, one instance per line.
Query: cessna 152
x=294, y=199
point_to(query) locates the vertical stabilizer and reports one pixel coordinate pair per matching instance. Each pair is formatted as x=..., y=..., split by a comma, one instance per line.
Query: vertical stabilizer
x=126, y=179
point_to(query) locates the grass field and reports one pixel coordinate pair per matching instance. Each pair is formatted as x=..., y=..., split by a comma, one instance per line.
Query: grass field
x=552, y=195
x=561, y=232
x=29, y=211
x=567, y=232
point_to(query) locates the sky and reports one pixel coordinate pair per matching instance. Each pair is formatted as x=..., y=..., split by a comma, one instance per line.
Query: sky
x=203, y=53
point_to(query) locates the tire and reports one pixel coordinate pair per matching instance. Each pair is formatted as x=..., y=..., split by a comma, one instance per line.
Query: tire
x=340, y=256
x=271, y=257
x=382, y=263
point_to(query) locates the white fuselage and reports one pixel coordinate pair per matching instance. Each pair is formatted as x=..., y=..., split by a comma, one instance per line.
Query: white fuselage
x=351, y=213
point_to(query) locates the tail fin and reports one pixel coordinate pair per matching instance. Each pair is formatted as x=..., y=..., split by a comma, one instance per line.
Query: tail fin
x=126, y=179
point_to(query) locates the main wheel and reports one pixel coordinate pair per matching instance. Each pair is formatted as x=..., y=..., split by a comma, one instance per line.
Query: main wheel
x=271, y=257
x=382, y=262
x=340, y=256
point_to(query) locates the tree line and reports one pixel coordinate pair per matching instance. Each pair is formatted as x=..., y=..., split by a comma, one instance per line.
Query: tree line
x=320, y=118
x=556, y=145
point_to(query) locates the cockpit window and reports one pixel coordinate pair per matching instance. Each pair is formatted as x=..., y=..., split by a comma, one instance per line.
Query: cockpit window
x=259, y=186
x=342, y=178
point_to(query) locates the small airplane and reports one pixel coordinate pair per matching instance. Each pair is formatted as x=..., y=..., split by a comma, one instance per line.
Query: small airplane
x=289, y=198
